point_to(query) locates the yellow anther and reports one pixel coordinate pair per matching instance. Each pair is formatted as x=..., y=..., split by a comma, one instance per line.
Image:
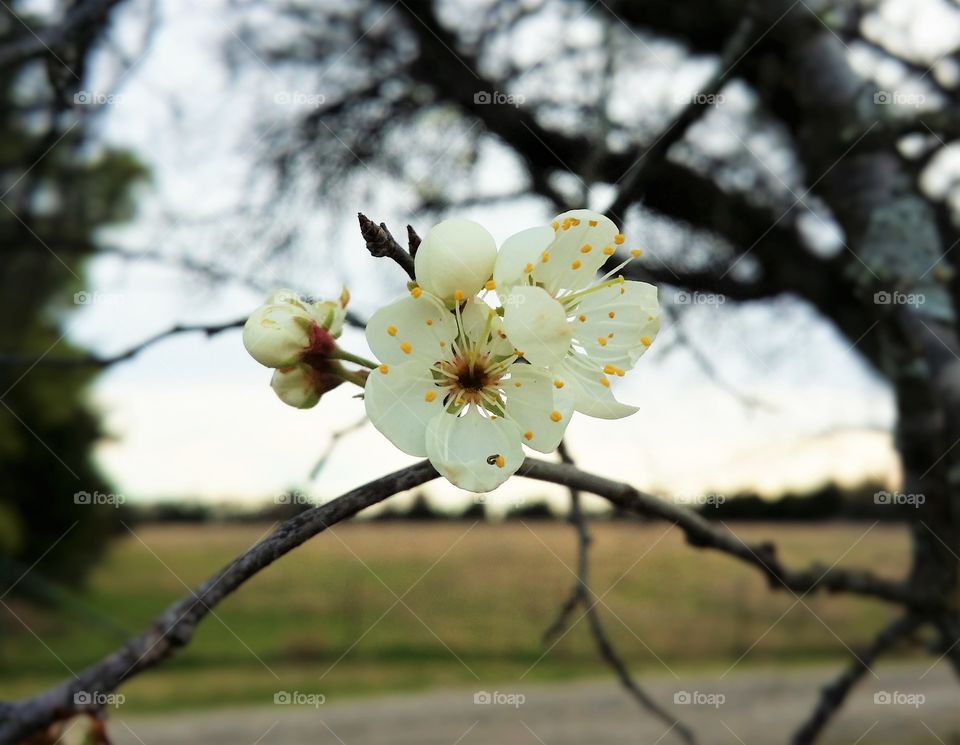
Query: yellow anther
x=528, y=436
x=490, y=285
x=556, y=416
x=645, y=340
x=392, y=330
x=610, y=369
x=517, y=385
x=574, y=221
x=604, y=382
x=443, y=344
x=601, y=341
x=608, y=251
x=528, y=268
x=458, y=295
x=612, y=314
x=555, y=225
x=619, y=238
x=429, y=396
x=384, y=369
x=545, y=257
x=416, y=292
x=576, y=264
x=558, y=384
x=593, y=223
x=636, y=253
x=405, y=346
x=586, y=248
x=429, y=322
x=582, y=318
x=500, y=461
x=610, y=335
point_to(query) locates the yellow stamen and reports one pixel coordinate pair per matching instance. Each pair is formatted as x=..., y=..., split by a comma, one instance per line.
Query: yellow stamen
x=601, y=341
x=604, y=382
x=545, y=257
x=582, y=318
x=458, y=296
x=429, y=396
x=645, y=340
x=619, y=238
x=392, y=330
x=636, y=253
x=429, y=322
x=558, y=384
x=586, y=248
x=575, y=264
x=528, y=435
x=500, y=461
x=593, y=223
x=556, y=416
x=528, y=268
x=405, y=346
x=384, y=369
x=416, y=292
x=611, y=314
x=490, y=285
x=608, y=251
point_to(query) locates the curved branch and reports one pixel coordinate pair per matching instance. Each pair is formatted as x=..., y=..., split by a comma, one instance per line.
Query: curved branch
x=835, y=693
x=703, y=534
x=174, y=628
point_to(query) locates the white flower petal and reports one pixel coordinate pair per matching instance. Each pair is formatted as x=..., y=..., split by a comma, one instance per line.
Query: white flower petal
x=616, y=324
x=475, y=317
x=519, y=255
x=577, y=252
x=412, y=328
x=276, y=334
x=474, y=452
x=295, y=386
x=540, y=404
x=536, y=324
x=454, y=255
x=591, y=396
x=400, y=401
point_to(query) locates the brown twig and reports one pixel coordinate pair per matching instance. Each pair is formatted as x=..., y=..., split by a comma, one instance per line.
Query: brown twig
x=835, y=693
x=413, y=241
x=582, y=596
x=381, y=243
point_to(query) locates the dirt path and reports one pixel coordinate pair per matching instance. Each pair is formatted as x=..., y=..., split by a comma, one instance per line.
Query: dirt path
x=758, y=707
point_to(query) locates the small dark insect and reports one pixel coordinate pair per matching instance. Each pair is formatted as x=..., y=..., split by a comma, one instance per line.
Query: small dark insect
x=492, y=459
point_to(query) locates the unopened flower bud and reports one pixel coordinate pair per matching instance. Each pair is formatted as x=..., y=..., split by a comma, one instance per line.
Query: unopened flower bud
x=302, y=386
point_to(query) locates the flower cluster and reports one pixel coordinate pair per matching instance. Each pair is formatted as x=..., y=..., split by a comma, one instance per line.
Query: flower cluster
x=490, y=350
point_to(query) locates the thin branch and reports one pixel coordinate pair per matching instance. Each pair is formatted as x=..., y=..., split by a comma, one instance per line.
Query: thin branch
x=413, y=241
x=381, y=243
x=701, y=533
x=636, y=179
x=583, y=596
x=175, y=627
x=335, y=440
x=835, y=693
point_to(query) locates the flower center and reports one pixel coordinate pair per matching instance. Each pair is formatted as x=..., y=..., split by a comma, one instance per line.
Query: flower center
x=469, y=379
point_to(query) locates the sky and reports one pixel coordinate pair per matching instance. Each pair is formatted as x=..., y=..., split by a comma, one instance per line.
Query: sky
x=195, y=418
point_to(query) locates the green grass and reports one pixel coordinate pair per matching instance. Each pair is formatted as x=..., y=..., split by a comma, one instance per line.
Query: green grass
x=483, y=594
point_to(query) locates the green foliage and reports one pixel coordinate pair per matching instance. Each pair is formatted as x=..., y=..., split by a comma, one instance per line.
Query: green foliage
x=58, y=194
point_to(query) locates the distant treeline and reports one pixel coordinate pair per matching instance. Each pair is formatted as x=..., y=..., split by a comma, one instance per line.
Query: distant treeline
x=828, y=503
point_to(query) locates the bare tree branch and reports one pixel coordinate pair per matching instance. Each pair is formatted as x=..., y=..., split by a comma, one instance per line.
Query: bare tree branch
x=835, y=693
x=582, y=596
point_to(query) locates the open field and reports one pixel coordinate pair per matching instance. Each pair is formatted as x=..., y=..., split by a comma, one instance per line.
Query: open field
x=373, y=608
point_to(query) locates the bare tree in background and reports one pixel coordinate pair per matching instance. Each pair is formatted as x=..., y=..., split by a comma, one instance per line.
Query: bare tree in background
x=826, y=197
